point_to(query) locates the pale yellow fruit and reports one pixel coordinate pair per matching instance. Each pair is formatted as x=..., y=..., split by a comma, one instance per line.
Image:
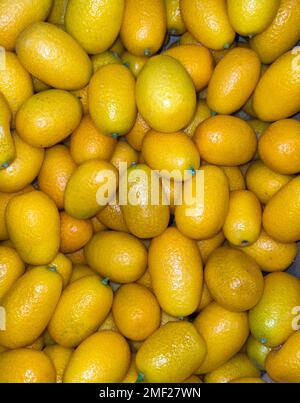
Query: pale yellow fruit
x=11, y=268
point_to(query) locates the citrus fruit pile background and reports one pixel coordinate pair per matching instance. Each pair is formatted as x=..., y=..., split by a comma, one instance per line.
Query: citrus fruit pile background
x=94, y=292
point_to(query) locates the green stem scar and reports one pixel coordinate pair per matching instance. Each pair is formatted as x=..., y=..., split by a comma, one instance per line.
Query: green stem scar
x=147, y=52
x=52, y=268
x=105, y=281
x=192, y=170
x=114, y=135
x=140, y=378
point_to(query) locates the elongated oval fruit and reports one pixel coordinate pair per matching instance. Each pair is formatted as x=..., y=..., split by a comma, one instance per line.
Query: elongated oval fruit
x=175, y=23
x=112, y=100
x=95, y=24
x=33, y=226
x=53, y=56
x=243, y=222
x=145, y=214
x=271, y=320
x=102, y=357
x=171, y=354
x=176, y=272
x=7, y=147
x=278, y=99
x=29, y=305
x=82, y=308
x=48, y=117
x=281, y=216
x=233, y=80
x=208, y=22
x=249, y=17
x=144, y=26
x=202, y=213
x=165, y=94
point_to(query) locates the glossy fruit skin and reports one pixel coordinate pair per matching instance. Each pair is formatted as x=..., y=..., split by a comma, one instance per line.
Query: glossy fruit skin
x=102, y=357
x=203, y=220
x=207, y=246
x=224, y=332
x=60, y=357
x=74, y=233
x=208, y=22
x=7, y=147
x=202, y=112
x=124, y=153
x=175, y=24
x=81, y=309
x=26, y=366
x=67, y=66
x=171, y=354
x=264, y=182
x=257, y=352
x=112, y=217
x=284, y=31
x=233, y=80
x=102, y=59
x=15, y=82
x=182, y=156
x=81, y=199
x=237, y=367
x=164, y=81
x=235, y=178
x=251, y=18
x=136, y=312
x=282, y=94
x=81, y=270
x=55, y=172
x=228, y=150
x=233, y=279
x=112, y=100
x=47, y=118
x=243, y=222
x=279, y=146
x=18, y=15
x=283, y=365
x=144, y=220
x=29, y=305
x=106, y=253
x=176, y=272
x=33, y=226
x=137, y=133
x=63, y=266
x=134, y=63
x=144, y=26
x=197, y=60
x=281, y=294
x=82, y=95
x=271, y=255
x=11, y=268
x=57, y=13
x=281, y=215
x=94, y=24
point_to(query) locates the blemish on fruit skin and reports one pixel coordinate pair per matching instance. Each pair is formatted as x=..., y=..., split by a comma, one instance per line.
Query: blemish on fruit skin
x=244, y=243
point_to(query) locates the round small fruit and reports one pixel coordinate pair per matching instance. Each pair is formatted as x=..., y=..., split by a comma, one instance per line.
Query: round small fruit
x=81, y=270
x=63, y=266
x=112, y=100
x=170, y=153
x=33, y=226
x=271, y=255
x=57, y=13
x=243, y=222
x=29, y=305
x=264, y=182
x=74, y=233
x=82, y=307
x=279, y=146
x=11, y=268
x=60, y=357
x=112, y=217
x=176, y=272
x=56, y=170
x=117, y=255
x=198, y=62
x=89, y=189
x=208, y=22
x=124, y=156
x=137, y=133
x=171, y=354
x=94, y=24
x=207, y=246
x=225, y=140
x=202, y=112
x=53, y=56
x=257, y=352
x=281, y=216
x=144, y=26
x=26, y=366
x=233, y=80
x=101, y=358
x=233, y=279
x=202, y=219
x=271, y=319
x=136, y=311
x=175, y=24
x=224, y=332
x=235, y=178
x=104, y=58
x=133, y=62
x=165, y=94
x=48, y=117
